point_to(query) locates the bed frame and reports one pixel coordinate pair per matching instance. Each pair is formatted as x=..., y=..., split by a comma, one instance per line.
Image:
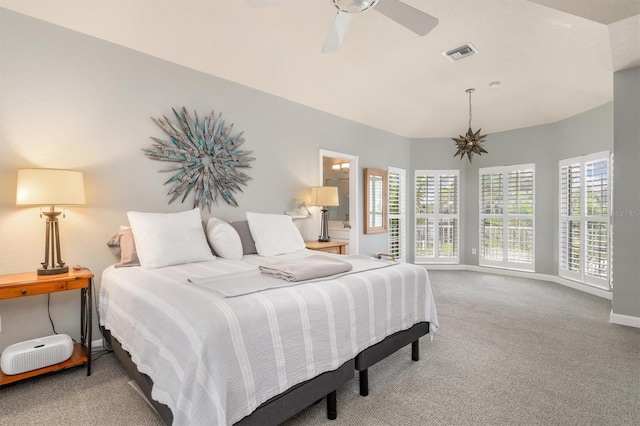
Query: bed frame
x=274, y=411
x=389, y=345
x=281, y=407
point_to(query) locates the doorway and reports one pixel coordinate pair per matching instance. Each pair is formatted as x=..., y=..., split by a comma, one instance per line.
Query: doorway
x=341, y=170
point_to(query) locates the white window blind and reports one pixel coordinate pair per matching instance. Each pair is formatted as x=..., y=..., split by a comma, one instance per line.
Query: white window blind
x=585, y=229
x=437, y=216
x=397, y=213
x=507, y=217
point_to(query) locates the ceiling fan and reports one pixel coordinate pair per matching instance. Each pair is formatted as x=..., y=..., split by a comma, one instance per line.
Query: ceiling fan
x=408, y=16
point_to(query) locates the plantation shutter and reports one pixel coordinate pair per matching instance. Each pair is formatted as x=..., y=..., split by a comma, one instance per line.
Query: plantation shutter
x=437, y=216
x=507, y=217
x=585, y=229
x=597, y=219
x=570, y=223
x=397, y=213
x=448, y=216
x=491, y=208
x=520, y=225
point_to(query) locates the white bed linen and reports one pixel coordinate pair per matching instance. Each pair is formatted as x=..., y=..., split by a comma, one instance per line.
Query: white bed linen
x=246, y=282
x=214, y=360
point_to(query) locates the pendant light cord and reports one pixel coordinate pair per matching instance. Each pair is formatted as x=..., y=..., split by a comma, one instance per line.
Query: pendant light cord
x=470, y=91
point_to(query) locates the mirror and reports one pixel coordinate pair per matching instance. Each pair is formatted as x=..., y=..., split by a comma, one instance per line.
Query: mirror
x=336, y=173
x=375, y=201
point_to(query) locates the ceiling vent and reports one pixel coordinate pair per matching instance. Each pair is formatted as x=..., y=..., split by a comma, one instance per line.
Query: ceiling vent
x=460, y=52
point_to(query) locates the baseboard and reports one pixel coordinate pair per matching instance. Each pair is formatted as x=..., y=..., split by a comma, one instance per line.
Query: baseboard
x=97, y=345
x=443, y=266
x=583, y=287
x=624, y=320
x=523, y=274
x=509, y=272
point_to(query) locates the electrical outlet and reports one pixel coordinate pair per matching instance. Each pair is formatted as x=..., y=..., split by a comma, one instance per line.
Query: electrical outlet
x=473, y=251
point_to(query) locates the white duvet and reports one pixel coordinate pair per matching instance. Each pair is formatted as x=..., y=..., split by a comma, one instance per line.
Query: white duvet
x=214, y=360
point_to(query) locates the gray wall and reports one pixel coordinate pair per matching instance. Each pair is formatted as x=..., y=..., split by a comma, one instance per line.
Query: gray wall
x=545, y=146
x=72, y=101
x=626, y=214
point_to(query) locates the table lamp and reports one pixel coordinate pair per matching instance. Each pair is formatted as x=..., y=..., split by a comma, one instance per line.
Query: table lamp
x=324, y=196
x=50, y=187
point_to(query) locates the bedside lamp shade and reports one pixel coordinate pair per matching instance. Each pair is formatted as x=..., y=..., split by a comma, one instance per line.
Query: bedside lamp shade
x=324, y=196
x=50, y=187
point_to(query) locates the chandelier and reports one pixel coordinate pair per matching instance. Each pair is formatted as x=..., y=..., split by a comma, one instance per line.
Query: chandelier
x=471, y=143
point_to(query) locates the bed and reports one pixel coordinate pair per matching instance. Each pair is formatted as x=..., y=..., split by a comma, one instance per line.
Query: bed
x=272, y=412
x=257, y=357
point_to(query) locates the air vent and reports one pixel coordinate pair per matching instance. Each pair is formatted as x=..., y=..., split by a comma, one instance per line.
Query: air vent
x=460, y=52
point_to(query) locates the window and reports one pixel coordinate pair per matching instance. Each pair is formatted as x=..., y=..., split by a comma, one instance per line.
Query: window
x=507, y=217
x=437, y=222
x=376, y=205
x=397, y=213
x=584, y=219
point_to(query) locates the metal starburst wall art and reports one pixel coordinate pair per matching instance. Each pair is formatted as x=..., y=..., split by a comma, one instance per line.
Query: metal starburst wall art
x=471, y=143
x=206, y=155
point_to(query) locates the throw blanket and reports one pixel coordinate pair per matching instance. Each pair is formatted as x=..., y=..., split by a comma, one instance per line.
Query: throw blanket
x=213, y=360
x=247, y=282
x=316, y=266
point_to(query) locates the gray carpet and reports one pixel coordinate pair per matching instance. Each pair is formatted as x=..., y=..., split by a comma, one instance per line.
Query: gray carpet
x=509, y=351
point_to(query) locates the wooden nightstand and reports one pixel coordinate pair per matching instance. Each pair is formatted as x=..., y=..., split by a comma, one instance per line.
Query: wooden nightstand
x=30, y=284
x=337, y=247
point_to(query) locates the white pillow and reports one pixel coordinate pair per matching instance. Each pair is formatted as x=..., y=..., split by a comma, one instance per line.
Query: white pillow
x=224, y=239
x=164, y=239
x=274, y=234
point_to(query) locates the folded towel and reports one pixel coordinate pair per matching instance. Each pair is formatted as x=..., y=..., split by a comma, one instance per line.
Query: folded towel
x=315, y=266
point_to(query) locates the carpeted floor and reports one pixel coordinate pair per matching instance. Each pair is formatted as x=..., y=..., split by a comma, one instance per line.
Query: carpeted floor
x=509, y=351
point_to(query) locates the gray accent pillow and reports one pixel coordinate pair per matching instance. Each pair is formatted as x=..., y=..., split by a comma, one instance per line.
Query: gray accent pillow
x=123, y=246
x=248, y=245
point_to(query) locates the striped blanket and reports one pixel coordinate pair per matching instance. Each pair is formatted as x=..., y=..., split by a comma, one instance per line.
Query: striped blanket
x=214, y=360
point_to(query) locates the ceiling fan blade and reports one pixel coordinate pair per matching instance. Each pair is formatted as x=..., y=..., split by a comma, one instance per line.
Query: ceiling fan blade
x=408, y=16
x=336, y=34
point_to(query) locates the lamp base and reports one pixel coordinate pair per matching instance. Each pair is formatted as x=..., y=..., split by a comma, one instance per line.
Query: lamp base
x=53, y=271
x=324, y=228
x=52, y=247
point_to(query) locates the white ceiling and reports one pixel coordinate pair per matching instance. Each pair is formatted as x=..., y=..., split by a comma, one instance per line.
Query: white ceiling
x=554, y=58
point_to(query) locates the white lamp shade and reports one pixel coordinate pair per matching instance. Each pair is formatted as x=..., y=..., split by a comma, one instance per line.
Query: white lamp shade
x=40, y=187
x=324, y=196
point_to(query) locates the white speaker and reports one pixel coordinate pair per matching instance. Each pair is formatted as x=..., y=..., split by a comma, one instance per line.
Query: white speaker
x=36, y=353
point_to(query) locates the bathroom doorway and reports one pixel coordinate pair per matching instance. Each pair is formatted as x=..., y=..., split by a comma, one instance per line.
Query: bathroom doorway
x=341, y=170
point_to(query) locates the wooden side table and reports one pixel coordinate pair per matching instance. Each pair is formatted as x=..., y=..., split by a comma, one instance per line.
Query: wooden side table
x=30, y=284
x=337, y=247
